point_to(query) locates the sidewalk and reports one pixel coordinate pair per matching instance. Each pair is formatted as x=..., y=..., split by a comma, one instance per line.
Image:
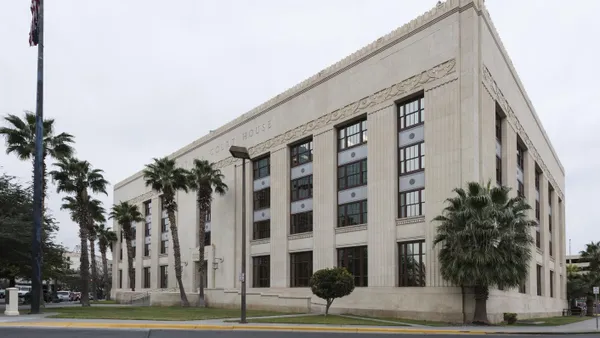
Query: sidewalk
x=24, y=320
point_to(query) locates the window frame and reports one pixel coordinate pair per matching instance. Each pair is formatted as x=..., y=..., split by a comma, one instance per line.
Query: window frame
x=403, y=272
x=402, y=116
x=342, y=134
x=258, y=232
x=539, y=272
x=295, y=188
x=163, y=279
x=355, y=257
x=362, y=174
x=146, y=278
x=404, y=208
x=259, y=203
x=258, y=164
x=296, y=154
x=403, y=162
x=302, y=260
x=298, y=228
x=363, y=213
x=258, y=280
x=164, y=246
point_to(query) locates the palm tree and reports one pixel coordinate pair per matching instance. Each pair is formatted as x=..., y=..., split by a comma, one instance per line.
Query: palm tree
x=106, y=239
x=591, y=254
x=126, y=214
x=79, y=179
x=204, y=179
x=97, y=214
x=164, y=177
x=486, y=241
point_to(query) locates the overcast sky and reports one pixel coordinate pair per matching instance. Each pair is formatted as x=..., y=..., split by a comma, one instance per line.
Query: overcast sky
x=138, y=79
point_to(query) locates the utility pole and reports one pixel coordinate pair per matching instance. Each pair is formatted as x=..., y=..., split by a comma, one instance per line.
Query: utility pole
x=36, y=37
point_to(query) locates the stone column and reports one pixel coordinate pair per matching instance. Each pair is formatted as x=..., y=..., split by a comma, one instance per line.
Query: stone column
x=325, y=199
x=382, y=196
x=155, y=243
x=487, y=139
x=280, y=217
x=509, y=157
x=544, y=235
x=529, y=182
x=556, y=246
x=12, y=308
x=563, y=242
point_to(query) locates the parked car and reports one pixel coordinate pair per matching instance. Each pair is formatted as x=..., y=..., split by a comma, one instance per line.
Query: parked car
x=2, y=293
x=64, y=296
x=75, y=296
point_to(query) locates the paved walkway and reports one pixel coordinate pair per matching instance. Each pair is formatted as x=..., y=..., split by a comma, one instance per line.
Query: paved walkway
x=41, y=320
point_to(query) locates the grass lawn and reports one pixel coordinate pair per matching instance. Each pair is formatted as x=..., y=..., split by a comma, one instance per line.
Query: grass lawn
x=152, y=313
x=551, y=321
x=103, y=302
x=412, y=321
x=321, y=319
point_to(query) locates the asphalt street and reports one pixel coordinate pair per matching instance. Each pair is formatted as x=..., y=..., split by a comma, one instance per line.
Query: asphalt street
x=6, y=332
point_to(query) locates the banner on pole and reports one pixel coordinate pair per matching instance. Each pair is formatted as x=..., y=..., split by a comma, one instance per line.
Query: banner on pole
x=33, y=32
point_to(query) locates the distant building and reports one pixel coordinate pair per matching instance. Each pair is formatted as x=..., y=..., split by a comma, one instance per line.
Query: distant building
x=75, y=260
x=582, y=263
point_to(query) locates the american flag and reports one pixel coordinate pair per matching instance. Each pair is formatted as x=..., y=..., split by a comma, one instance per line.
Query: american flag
x=33, y=33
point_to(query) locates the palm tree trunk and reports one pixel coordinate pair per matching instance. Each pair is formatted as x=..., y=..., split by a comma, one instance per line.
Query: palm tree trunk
x=42, y=300
x=85, y=266
x=202, y=269
x=94, y=268
x=130, y=258
x=177, y=256
x=105, y=273
x=481, y=297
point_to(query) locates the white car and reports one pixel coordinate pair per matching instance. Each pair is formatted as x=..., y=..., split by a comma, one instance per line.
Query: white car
x=2, y=293
x=64, y=296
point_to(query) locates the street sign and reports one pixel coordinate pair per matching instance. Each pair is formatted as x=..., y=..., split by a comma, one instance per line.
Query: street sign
x=596, y=290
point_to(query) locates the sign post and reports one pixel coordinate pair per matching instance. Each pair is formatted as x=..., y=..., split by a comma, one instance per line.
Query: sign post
x=596, y=291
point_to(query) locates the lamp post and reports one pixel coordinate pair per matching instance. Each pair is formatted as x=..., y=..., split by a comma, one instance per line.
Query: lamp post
x=242, y=152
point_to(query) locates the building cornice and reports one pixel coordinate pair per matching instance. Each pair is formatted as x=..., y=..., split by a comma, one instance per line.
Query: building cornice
x=429, y=18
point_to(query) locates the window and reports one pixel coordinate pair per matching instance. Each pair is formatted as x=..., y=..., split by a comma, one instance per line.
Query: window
x=352, y=175
x=352, y=213
x=120, y=279
x=550, y=221
x=133, y=233
x=146, y=249
x=411, y=113
x=412, y=203
x=164, y=277
x=498, y=171
x=207, y=219
x=412, y=158
x=352, y=135
x=132, y=281
x=411, y=262
x=261, y=229
x=498, y=128
x=147, y=208
x=133, y=252
x=147, y=228
x=551, y=283
x=261, y=167
x=146, y=278
x=301, y=265
x=539, y=279
x=302, y=153
x=164, y=220
x=302, y=188
x=520, y=157
x=520, y=189
x=355, y=260
x=261, y=271
x=302, y=222
x=208, y=216
x=207, y=238
x=522, y=287
x=164, y=246
x=121, y=252
x=262, y=199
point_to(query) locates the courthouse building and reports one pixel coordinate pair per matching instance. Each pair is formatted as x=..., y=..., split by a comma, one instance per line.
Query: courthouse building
x=350, y=166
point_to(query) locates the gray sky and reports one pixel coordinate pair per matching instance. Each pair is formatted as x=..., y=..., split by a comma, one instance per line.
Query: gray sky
x=138, y=79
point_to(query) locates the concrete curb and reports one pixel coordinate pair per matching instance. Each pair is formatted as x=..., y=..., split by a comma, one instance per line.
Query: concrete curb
x=164, y=326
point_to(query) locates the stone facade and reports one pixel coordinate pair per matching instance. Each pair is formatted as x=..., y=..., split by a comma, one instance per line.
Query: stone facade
x=451, y=63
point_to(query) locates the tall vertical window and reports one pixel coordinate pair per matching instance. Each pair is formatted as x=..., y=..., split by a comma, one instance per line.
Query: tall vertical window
x=164, y=277
x=132, y=281
x=412, y=158
x=352, y=175
x=261, y=167
x=164, y=218
x=302, y=188
x=412, y=203
x=164, y=246
x=538, y=239
x=120, y=279
x=499, y=147
x=520, y=170
x=522, y=287
x=146, y=249
x=411, y=263
x=301, y=222
x=538, y=271
x=301, y=153
x=352, y=135
x=355, y=260
x=354, y=213
x=146, y=278
x=261, y=229
x=261, y=271
x=301, y=266
x=499, y=128
x=550, y=196
x=551, y=283
x=411, y=113
x=262, y=199
x=207, y=227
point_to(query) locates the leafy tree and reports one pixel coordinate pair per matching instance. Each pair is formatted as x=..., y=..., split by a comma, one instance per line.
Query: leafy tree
x=204, y=179
x=486, y=241
x=164, y=177
x=106, y=239
x=331, y=283
x=582, y=285
x=126, y=214
x=79, y=179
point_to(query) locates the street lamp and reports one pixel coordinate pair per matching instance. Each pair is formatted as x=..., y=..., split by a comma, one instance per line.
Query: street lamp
x=242, y=152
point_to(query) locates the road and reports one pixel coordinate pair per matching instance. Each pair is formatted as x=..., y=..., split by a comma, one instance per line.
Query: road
x=102, y=333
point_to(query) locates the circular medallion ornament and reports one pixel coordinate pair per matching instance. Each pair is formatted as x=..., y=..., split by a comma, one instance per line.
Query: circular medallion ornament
x=411, y=136
x=352, y=154
x=353, y=194
x=302, y=170
x=302, y=205
x=263, y=214
x=412, y=181
x=263, y=183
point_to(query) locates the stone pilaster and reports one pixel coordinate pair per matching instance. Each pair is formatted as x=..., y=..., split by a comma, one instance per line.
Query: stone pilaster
x=280, y=217
x=556, y=246
x=382, y=196
x=544, y=235
x=139, y=249
x=529, y=183
x=324, y=199
x=155, y=244
x=487, y=140
x=509, y=157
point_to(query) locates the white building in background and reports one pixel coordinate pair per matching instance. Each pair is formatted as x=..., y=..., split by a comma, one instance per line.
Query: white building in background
x=75, y=260
x=339, y=176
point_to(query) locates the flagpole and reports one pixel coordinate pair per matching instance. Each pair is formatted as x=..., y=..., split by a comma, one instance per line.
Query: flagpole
x=36, y=280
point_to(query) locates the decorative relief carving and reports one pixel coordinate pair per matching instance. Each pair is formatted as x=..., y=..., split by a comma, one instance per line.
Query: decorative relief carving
x=300, y=236
x=350, y=228
x=492, y=87
x=260, y=241
x=412, y=220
